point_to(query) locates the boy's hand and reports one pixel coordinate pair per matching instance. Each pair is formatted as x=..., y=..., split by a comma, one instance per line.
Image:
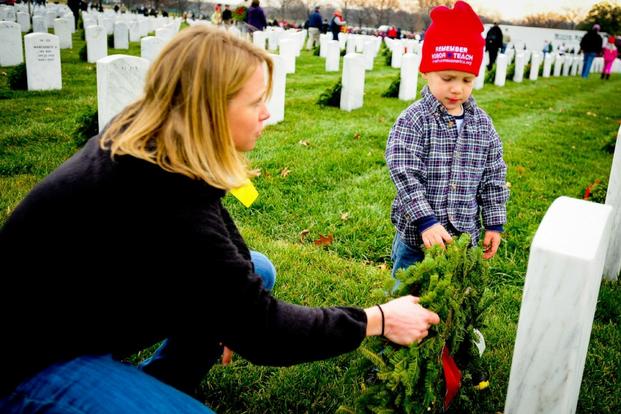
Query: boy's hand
x=436, y=234
x=490, y=243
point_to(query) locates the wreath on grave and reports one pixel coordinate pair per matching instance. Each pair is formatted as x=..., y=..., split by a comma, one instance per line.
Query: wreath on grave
x=331, y=96
x=239, y=14
x=596, y=191
x=446, y=368
x=393, y=89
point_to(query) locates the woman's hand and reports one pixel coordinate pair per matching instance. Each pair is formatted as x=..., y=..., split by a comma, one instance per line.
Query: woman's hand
x=405, y=321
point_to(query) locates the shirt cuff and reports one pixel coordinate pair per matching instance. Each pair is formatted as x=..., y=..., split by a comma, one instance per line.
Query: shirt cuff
x=499, y=228
x=424, y=223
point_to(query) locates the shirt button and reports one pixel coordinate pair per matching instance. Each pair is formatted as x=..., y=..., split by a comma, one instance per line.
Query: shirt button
x=457, y=154
x=454, y=186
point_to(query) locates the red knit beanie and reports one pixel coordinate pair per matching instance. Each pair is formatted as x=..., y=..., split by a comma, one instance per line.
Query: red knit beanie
x=453, y=41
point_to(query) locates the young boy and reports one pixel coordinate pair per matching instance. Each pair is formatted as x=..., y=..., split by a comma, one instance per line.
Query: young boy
x=443, y=152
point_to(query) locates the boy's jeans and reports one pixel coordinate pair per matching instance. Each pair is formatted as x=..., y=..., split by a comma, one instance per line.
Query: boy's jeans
x=403, y=256
x=99, y=384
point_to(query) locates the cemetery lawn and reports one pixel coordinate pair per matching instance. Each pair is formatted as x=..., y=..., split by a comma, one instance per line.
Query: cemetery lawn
x=323, y=173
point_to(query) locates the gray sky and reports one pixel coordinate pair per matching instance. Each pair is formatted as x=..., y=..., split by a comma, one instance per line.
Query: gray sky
x=518, y=9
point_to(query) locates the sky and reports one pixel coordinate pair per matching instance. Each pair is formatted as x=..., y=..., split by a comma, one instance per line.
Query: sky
x=518, y=9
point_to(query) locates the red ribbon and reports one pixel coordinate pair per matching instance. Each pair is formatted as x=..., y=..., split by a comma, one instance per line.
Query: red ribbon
x=452, y=377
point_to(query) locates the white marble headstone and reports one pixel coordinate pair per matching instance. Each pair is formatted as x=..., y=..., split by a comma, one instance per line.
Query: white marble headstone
x=613, y=199
x=24, y=21
x=350, y=47
x=501, y=70
x=369, y=54
x=558, y=65
x=134, y=31
x=547, y=65
x=96, y=43
x=518, y=75
x=62, y=29
x=10, y=44
x=409, y=76
x=121, y=35
x=333, y=58
x=43, y=61
x=39, y=24
x=479, y=82
x=352, y=92
x=567, y=65
x=150, y=47
x=120, y=81
x=276, y=102
x=560, y=293
x=397, y=52
x=259, y=38
x=287, y=51
x=534, y=66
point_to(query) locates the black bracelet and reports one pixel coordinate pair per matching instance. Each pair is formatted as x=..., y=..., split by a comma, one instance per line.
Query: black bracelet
x=382, y=312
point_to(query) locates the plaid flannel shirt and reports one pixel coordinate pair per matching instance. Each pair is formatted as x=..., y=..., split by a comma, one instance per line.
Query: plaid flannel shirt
x=456, y=176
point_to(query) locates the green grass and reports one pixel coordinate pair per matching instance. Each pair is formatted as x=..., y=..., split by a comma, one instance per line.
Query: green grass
x=553, y=132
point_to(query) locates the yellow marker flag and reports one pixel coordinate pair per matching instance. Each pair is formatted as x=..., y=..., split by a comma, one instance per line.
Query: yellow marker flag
x=246, y=194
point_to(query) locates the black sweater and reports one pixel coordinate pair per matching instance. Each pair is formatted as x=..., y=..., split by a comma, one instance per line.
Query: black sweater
x=111, y=256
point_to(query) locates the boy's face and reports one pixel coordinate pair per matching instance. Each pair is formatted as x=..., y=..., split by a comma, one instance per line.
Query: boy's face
x=451, y=88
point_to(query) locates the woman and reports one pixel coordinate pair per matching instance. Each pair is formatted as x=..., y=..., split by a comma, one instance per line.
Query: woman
x=109, y=244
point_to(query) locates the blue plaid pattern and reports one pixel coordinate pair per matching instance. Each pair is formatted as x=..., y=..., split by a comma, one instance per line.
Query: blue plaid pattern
x=456, y=176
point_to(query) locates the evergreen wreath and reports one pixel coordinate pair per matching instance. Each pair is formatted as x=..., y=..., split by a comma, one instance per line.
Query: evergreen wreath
x=399, y=379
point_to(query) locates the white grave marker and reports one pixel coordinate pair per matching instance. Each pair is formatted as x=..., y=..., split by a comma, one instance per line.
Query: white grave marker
x=409, y=76
x=501, y=70
x=120, y=81
x=534, y=66
x=23, y=19
x=547, y=65
x=121, y=35
x=333, y=58
x=96, y=43
x=560, y=293
x=352, y=93
x=287, y=51
x=39, y=24
x=62, y=29
x=10, y=44
x=150, y=47
x=518, y=75
x=276, y=103
x=43, y=61
x=613, y=199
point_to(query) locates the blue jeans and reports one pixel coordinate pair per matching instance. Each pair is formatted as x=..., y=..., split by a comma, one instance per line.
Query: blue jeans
x=403, y=256
x=101, y=385
x=586, y=66
x=98, y=384
x=183, y=361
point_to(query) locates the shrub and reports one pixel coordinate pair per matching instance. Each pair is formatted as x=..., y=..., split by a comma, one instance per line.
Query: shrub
x=388, y=56
x=490, y=75
x=393, y=89
x=87, y=126
x=596, y=191
x=610, y=145
x=331, y=96
x=18, y=81
x=110, y=41
x=83, y=54
x=316, y=51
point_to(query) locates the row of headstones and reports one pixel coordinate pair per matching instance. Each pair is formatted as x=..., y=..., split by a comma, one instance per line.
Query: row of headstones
x=576, y=243
x=11, y=51
x=42, y=17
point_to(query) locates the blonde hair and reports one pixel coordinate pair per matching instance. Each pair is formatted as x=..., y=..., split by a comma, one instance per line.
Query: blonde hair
x=181, y=122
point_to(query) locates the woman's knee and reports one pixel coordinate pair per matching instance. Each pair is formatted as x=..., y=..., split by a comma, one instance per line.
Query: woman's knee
x=264, y=268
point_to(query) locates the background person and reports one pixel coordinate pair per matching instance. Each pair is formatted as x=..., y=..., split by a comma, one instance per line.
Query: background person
x=591, y=46
x=128, y=243
x=315, y=22
x=255, y=16
x=336, y=24
x=610, y=54
x=493, y=43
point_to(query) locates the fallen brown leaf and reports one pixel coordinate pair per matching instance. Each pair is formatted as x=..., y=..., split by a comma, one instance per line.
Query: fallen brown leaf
x=285, y=172
x=357, y=135
x=344, y=216
x=304, y=143
x=324, y=240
